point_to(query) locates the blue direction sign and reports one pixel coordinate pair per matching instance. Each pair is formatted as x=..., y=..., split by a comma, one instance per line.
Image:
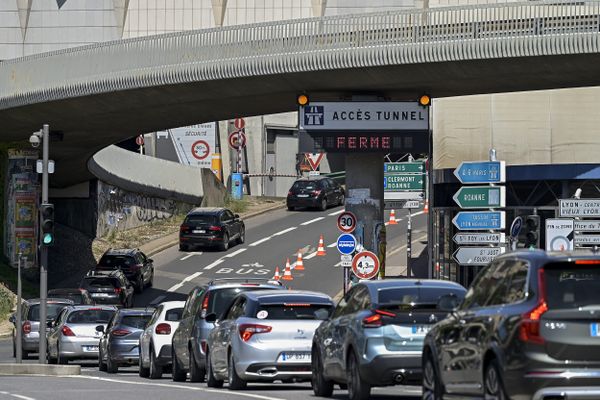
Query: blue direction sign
x=480, y=220
x=346, y=243
x=481, y=172
x=515, y=227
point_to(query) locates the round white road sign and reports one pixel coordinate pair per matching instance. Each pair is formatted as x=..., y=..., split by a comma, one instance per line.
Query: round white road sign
x=346, y=222
x=365, y=265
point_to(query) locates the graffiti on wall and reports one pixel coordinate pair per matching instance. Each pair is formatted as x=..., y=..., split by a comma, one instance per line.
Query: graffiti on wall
x=119, y=209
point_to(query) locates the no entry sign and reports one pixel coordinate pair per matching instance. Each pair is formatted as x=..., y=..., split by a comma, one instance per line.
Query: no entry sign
x=365, y=265
x=139, y=140
x=239, y=123
x=346, y=222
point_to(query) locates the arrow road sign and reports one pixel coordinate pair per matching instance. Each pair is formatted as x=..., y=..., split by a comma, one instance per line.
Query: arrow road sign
x=587, y=239
x=398, y=204
x=579, y=207
x=476, y=255
x=587, y=225
x=405, y=167
x=480, y=220
x=403, y=182
x=481, y=197
x=481, y=172
x=479, y=238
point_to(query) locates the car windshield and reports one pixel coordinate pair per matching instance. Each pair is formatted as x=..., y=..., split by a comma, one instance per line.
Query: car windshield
x=415, y=297
x=116, y=261
x=292, y=311
x=92, y=316
x=200, y=219
x=306, y=185
x=572, y=286
x=53, y=310
x=135, y=321
x=220, y=299
x=174, y=314
x=100, y=283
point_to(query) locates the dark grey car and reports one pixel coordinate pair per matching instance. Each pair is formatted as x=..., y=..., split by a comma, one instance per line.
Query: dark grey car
x=120, y=340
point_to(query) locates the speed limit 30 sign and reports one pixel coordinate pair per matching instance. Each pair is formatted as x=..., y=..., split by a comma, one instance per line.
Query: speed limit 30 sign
x=365, y=265
x=346, y=222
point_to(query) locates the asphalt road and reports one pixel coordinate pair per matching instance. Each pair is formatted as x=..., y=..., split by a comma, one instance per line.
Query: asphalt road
x=270, y=239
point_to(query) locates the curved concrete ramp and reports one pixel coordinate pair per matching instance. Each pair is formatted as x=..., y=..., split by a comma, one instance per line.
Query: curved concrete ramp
x=155, y=177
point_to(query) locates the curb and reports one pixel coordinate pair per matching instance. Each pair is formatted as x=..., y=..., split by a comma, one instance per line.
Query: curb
x=249, y=215
x=40, y=369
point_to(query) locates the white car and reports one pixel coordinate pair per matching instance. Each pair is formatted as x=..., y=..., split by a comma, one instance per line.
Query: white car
x=155, y=341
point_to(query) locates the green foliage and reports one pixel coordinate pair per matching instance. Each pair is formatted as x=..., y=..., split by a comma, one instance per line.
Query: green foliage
x=8, y=277
x=237, y=206
x=6, y=302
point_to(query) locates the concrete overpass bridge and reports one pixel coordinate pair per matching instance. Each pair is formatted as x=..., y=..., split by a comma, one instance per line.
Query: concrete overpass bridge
x=100, y=94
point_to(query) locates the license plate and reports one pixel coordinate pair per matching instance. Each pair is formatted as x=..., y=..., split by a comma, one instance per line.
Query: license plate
x=411, y=331
x=303, y=356
x=100, y=294
x=90, y=348
x=595, y=330
x=198, y=231
x=302, y=195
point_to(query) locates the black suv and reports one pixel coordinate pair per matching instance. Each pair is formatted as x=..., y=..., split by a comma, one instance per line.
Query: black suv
x=108, y=287
x=138, y=268
x=318, y=192
x=528, y=328
x=211, y=227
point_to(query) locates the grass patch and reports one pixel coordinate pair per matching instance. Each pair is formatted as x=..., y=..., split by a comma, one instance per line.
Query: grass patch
x=237, y=206
x=8, y=277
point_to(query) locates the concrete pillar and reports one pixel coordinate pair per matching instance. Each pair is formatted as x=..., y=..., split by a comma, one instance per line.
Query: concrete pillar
x=364, y=198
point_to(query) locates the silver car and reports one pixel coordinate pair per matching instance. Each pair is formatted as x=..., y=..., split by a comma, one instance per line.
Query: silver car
x=265, y=336
x=74, y=334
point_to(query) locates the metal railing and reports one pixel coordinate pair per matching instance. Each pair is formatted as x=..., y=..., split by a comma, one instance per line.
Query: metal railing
x=351, y=41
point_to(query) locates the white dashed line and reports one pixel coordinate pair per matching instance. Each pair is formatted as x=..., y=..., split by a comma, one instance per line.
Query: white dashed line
x=235, y=253
x=332, y=245
x=418, y=213
x=175, y=287
x=18, y=396
x=214, y=264
x=311, y=255
x=339, y=264
x=311, y=221
x=336, y=212
x=285, y=231
x=260, y=241
x=189, y=256
x=193, y=276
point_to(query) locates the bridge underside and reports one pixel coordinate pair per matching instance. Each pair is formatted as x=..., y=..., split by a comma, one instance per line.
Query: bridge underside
x=91, y=123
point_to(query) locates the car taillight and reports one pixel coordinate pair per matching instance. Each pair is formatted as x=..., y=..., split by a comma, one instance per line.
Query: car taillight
x=214, y=228
x=586, y=262
x=529, y=330
x=163, y=329
x=249, y=330
x=290, y=193
x=120, y=332
x=184, y=228
x=66, y=331
x=26, y=327
x=376, y=320
x=316, y=192
x=203, y=345
x=135, y=267
x=205, y=303
x=118, y=290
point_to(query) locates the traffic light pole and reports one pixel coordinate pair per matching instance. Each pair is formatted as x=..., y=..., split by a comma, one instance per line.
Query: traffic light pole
x=44, y=249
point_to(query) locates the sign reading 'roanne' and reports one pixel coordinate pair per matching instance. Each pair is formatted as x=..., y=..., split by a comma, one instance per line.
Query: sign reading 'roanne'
x=364, y=116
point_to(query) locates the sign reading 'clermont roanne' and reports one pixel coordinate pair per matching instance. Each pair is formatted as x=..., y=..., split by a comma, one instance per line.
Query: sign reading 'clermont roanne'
x=392, y=116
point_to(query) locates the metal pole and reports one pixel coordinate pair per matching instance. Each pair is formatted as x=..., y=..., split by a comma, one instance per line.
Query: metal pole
x=409, y=244
x=44, y=249
x=19, y=322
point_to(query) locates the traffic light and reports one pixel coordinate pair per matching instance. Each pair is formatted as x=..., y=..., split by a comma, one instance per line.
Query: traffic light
x=532, y=232
x=47, y=224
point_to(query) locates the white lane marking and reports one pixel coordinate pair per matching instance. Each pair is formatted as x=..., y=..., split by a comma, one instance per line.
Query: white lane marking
x=311, y=221
x=336, y=212
x=332, y=244
x=18, y=396
x=158, y=299
x=235, y=253
x=285, y=231
x=260, y=241
x=214, y=264
x=193, y=276
x=175, y=287
x=189, y=256
x=311, y=255
x=174, y=386
x=339, y=264
x=418, y=213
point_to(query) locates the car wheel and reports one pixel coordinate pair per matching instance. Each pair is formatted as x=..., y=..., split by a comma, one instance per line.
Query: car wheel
x=225, y=244
x=155, y=370
x=101, y=363
x=323, y=206
x=60, y=359
x=242, y=237
x=183, y=247
x=196, y=372
x=358, y=389
x=139, y=283
x=14, y=348
x=432, y=387
x=211, y=380
x=291, y=208
x=144, y=371
x=493, y=386
x=235, y=382
x=151, y=281
x=178, y=374
x=24, y=354
x=321, y=386
x=111, y=366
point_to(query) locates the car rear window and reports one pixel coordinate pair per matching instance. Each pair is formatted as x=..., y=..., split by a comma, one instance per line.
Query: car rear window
x=116, y=261
x=174, y=314
x=200, y=219
x=292, y=311
x=415, y=297
x=90, y=316
x=136, y=321
x=572, y=286
x=220, y=299
x=100, y=283
x=53, y=310
x=306, y=185
x=77, y=298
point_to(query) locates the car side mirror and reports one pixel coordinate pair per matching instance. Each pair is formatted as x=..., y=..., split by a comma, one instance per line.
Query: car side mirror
x=12, y=319
x=237, y=216
x=100, y=328
x=211, y=318
x=150, y=260
x=322, y=314
x=448, y=303
x=50, y=324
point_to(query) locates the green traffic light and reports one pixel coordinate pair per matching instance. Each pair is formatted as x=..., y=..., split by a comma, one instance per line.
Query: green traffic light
x=47, y=239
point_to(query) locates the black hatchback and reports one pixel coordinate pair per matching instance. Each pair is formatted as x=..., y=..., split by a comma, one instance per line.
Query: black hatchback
x=211, y=227
x=528, y=328
x=317, y=192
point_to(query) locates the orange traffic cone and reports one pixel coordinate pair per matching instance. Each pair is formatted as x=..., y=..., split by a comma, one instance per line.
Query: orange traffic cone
x=299, y=263
x=287, y=274
x=321, y=247
x=426, y=207
x=276, y=277
x=393, y=218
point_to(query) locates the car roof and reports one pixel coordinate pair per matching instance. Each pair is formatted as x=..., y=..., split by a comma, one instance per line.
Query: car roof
x=206, y=210
x=66, y=290
x=120, y=252
x=171, y=304
x=406, y=283
x=287, y=296
x=104, y=307
x=544, y=257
